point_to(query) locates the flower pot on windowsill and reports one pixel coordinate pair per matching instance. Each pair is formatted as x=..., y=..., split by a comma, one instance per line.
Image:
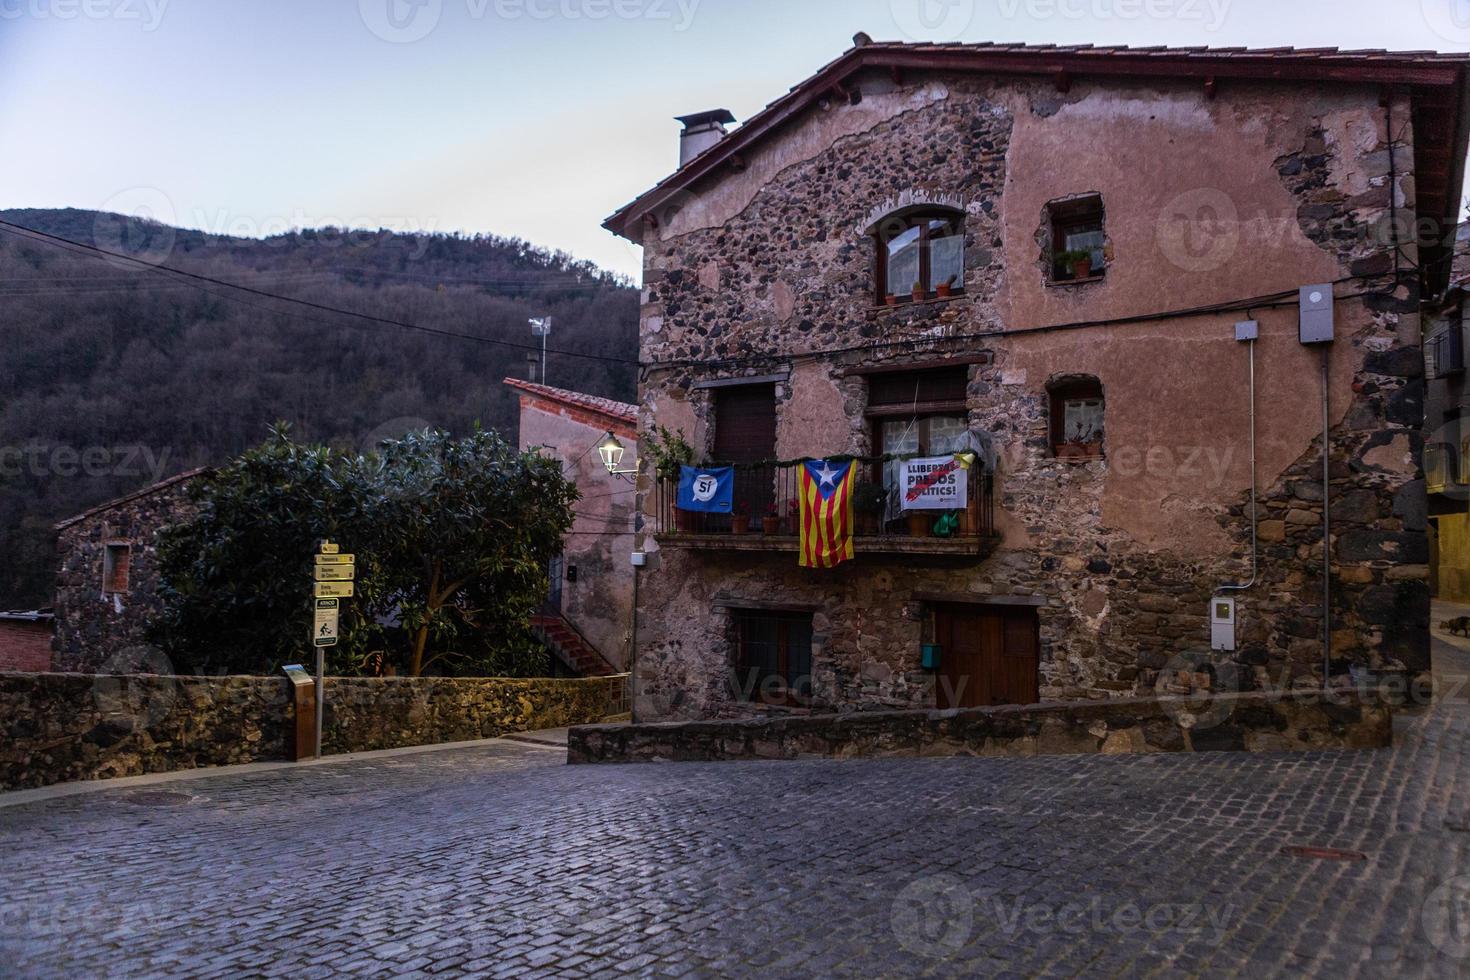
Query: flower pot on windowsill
x=1079, y=450
x=919, y=294
x=770, y=525
x=945, y=290
x=919, y=524
x=1082, y=269
x=739, y=523
x=891, y=299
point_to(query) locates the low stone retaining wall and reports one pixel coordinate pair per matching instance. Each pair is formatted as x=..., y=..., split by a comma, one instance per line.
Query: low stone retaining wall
x=1231, y=722
x=63, y=727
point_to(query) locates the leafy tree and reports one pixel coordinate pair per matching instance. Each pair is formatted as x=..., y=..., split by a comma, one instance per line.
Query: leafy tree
x=452, y=539
x=464, y=534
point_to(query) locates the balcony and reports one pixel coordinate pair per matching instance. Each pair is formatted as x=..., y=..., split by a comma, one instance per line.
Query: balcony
x=769, y=490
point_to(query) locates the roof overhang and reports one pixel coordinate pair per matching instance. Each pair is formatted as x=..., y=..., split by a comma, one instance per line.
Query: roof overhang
x=1438, y=82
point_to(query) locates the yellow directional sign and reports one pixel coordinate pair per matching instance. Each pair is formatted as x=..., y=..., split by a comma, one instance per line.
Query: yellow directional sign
x=330, y=549
x=336, y=573
x=336, y=559
x=334, y=590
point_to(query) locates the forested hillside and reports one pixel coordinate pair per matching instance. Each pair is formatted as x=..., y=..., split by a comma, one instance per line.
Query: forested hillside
x=112, y=376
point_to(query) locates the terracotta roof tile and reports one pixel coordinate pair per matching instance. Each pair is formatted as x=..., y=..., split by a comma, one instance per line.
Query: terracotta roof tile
x=621, y=411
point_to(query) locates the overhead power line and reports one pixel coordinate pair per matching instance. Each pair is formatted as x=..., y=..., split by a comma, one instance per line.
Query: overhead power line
x=66, y=243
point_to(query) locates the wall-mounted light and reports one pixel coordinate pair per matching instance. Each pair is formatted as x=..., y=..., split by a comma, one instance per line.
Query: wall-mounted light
x=612, y=452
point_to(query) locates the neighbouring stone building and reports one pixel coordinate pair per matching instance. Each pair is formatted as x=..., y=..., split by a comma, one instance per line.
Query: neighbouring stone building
x=107, y=576
x=1447, y=438
x=588, y=616
x=1048, y=255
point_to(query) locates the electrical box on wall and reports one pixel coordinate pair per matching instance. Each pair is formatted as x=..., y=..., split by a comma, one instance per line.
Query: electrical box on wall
x=1222, y=624
x=1316, y=314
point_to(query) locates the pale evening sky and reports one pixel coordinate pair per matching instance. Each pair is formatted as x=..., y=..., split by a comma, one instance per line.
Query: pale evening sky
x=533, y=118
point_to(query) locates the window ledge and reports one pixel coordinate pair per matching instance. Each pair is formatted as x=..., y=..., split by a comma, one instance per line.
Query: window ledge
x=903, y=303
x=1077, y=282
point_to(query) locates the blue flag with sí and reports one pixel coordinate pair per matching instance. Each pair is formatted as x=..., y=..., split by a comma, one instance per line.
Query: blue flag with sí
x=710, y=490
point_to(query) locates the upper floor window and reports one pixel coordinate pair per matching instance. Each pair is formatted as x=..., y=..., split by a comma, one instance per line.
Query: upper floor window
x=115, y=561
x=1077, y=240
x=1447, y=352
x=1077, y=418
x=921, y=254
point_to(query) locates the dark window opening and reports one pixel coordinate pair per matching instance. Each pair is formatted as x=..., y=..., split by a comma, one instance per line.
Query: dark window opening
x=1447, y=352
x=1077, y=240
x=1077, y=418
x=115, y=562
x=773, y=658
x=921, y=255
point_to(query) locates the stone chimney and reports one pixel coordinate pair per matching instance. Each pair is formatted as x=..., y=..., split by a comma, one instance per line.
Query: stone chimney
x=701, y=131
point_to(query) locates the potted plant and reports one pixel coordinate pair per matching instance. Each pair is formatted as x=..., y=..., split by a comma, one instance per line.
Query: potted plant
x=891, y=299
x=740, y=520
x=919, y=524
x=771, y=523
x=868, y=500
x=671, y=452
x=1079, y=261
x=919, y=292
x=946, y=288
x=1083, y=442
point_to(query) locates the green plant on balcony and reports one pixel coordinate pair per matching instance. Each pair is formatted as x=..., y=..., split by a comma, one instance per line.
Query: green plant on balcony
x=670, y=451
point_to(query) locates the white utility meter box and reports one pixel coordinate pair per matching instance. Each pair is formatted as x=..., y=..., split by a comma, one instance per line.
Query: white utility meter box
x=1222, y=624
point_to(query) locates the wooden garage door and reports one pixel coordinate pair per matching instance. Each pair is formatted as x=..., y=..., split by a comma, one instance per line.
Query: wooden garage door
x=988, y=655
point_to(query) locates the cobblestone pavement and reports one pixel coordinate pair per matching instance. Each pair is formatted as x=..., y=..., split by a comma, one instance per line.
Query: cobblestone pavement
x=499, y=860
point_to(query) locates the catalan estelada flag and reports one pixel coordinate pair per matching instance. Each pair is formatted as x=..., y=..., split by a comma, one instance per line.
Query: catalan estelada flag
x=826, y=512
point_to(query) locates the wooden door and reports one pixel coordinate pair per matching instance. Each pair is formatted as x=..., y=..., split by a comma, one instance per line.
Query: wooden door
x=988, y=656
x=745, y=432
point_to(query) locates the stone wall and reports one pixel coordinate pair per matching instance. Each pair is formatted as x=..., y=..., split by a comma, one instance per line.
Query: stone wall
x=93, y=626
x=64, y=727
x=1121, y=555
x=1238, y=722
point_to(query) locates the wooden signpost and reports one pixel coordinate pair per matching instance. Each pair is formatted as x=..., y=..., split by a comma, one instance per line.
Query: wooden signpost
x=335, y=574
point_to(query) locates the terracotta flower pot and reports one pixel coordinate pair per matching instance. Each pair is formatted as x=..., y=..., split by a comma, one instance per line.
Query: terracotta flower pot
x=891, y=299
x=740, y=524
x=770, y=525
x=919, y=524
x=1082, y=269
x=945, y=290
x=919, y=295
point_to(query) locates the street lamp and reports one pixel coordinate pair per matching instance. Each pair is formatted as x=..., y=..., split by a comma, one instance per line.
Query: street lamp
x=612, y=452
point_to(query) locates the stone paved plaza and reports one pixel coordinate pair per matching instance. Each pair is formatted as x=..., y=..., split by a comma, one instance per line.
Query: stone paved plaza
x=499, y=860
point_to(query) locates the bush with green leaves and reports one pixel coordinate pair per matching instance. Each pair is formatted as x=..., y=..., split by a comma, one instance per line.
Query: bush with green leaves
x=452, y=539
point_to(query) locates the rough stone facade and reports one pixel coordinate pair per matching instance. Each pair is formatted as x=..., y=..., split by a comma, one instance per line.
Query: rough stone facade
x=64, y=727
x=1210, y=198
x=1235, y=723
x=98, y=629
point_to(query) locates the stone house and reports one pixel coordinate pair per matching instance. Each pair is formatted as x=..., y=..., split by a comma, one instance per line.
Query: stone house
x=107, y=577
x=1087, y=265
x=588, y=617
